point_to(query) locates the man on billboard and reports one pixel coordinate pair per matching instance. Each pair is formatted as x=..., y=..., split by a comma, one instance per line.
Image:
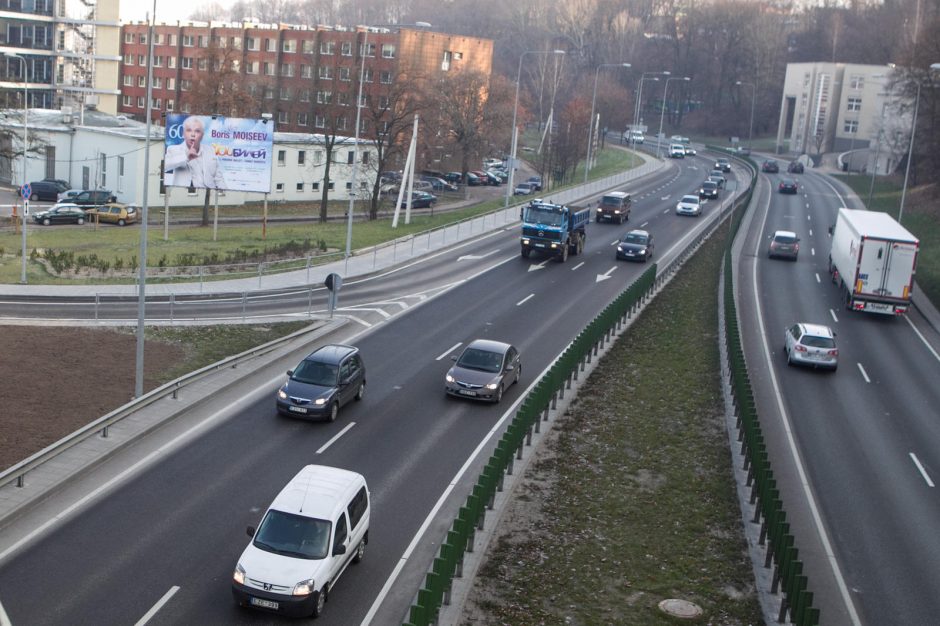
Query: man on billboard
x=191, y=163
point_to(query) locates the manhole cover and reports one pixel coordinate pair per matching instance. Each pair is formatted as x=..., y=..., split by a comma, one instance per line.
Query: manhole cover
x=680, y=608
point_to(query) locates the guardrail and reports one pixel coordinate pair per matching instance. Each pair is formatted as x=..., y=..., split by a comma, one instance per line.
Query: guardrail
x=17, y=473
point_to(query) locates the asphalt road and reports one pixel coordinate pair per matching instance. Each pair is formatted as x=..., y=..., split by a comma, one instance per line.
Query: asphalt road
x=867, y=435
x=173, y=529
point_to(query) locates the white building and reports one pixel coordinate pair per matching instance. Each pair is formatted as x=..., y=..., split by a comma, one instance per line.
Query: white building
x=839, y=107
x=100, y=151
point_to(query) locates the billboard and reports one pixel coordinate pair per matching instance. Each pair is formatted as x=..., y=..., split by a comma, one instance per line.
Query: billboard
x=228, y=153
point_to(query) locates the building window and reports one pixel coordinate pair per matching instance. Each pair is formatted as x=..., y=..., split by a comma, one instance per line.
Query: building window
x=324, y=97
x=171, y=83
x=306, y=71
x=142, y=38
x=141, y=60
x=367, y=50
x=856, y=82
x=171, y=62
x=346, y=49
x=325, y=72
x=287, y=70
x=854, y=104
x=170, y=104
x=279, y=188
x=252, y=44
x=269, y=69
x=365, y=157
x=305, y=95
x=251, y=67
x=289, y=45
x=171, y=40
x=367, y=75
x=301, y=156
x=140, y=102
x=127, y=101
x=128, y=59
x=283, y=117
x=327, y=47
x=157, y=82
x=141, y=81
x=445, y=62
x=851, y=126
x=186, y=63
x=344, y=74
x=300, y=187
x=281, y=158
x=285, y=93
x=188, y=41
x=315, y=186
x=128, y=80
x=128, y=37
x=185, y=108
x=331, y=186
x=301, y=119
x=185, y=84
x=203, y=64
x=236, y=42
x=157, y=104
x=388, y=51
x=342, y=98
x=350, y=157
x=203, y=41
x=158, y=61
x=269, y=93
x=157, y=39
x=270, y=45
x=384, y=102
x=341, y=123
x=307, y=46
x=385, y=77
x=319, y=121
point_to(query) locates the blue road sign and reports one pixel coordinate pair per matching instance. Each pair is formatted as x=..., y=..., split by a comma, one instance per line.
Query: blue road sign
x=26, y=191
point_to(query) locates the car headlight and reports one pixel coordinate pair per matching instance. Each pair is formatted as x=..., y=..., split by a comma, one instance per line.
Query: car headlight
x=304, y=588
x=282, y=394
x=320, y=401
x=525, y=242
x=492, y=386
x=449, y=378
x=239, y=575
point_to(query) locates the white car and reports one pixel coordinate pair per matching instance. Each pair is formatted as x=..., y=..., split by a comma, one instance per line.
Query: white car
x=524, y=189
x=813, y=345
x=677, y=151
x=689, y=205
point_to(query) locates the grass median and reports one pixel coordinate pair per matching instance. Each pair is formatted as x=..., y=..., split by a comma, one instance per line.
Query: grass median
x=632, y=499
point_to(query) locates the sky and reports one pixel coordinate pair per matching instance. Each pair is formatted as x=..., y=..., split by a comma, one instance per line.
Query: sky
x=167, y=10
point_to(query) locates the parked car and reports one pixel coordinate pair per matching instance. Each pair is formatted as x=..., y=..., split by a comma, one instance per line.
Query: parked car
x=523, y=189
x=484, y=370
x=811, y=344
x=492, y=162
x=62, y=183
x=61, y=213
x=787, y=185
x=770, y=167
x=723, y=164
x=718, y=177
x=46, y=190
x=689, y=205
x=326, y=380
x=68, y=194
x=636, y=245
x=536, y=181
x=455, y=178
x=708, y=190
x=419, y=200
x=784, y=244
x=93, y=197
x=114, y=213
x=795, y=167
x=439, y=184
x=474, y=180
x=502, y=175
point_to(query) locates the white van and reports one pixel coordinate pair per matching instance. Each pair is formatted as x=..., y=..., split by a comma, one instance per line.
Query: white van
x=677, y=151
x=313, y=530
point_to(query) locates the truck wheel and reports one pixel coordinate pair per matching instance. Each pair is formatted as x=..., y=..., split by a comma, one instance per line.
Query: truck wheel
x=564, y=254
x=525, y=253
x=580, y=245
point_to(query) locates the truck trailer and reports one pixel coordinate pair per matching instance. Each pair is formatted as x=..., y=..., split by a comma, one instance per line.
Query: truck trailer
x=554, y=229
x=873, y=260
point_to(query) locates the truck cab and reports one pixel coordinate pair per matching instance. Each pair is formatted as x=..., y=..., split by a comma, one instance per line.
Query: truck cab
x=553, y=229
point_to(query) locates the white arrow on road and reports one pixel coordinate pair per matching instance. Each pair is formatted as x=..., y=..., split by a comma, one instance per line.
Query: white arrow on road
x=474, y=257
x=664, y=198
x=538, y=266
x=605, y=275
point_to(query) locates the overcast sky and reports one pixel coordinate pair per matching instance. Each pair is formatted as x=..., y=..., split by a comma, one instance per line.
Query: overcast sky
x=167, y=10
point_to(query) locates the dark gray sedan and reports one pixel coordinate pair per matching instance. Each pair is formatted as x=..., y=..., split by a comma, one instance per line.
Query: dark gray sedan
x=61, y=214
x=637, y=245
x=484, y=370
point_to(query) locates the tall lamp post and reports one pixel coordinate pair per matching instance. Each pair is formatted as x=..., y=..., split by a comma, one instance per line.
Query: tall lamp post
x=355, y=163
x=515, y=109
x=639, y=94
x=910, y=149
x=662, y=113
x=587, y=160
x=25, y=148
x=750, y=128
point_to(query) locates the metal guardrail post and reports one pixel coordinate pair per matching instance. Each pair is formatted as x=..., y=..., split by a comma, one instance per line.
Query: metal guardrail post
x=244, y=304
x=97, y=302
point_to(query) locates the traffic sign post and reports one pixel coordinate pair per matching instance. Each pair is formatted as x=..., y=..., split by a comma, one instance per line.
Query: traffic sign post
x=25, y=191
x=333, y=283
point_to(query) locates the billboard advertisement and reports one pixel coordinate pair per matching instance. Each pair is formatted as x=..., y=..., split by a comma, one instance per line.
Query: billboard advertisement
x=227, y=153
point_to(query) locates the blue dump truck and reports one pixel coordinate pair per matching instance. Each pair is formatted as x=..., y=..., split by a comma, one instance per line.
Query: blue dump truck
x=553, y=229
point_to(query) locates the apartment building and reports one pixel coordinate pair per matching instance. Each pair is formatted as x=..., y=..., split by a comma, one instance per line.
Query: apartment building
x=70, y=50
x=307, y=78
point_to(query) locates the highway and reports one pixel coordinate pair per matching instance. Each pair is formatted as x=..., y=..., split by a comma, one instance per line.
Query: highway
x=867, y=437
x=160, y=544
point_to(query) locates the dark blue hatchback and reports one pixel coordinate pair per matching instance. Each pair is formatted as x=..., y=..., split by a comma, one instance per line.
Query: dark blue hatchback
x=324, y=381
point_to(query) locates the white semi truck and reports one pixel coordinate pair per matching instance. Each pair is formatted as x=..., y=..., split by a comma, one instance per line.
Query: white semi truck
x=872, y=260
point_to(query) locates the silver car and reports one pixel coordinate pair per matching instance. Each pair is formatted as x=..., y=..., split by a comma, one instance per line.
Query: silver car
x=484, y=370
x=689, y=205
x=811, y=344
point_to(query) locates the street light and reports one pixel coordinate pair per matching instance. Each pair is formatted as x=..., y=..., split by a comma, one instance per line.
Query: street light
x=662, y=113
x=587, y=160
x=515, y=109
x=25, y=146
x=910, y=149
x=639, y=95
x=355, y=163
x=750, y=130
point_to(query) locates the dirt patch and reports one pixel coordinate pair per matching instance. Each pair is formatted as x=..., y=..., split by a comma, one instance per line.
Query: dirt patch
x=56, y=380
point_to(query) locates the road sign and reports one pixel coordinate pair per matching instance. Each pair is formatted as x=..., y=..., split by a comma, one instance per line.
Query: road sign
x=26, y=191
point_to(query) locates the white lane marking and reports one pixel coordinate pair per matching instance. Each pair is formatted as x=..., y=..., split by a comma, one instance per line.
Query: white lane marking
x=812, y=251
x=334, y=438
x=794, y=450
x=643, y=225
x=359, y=321
x=833, y=314
x=614, y=242
x=817, y=278
x=605, y=275
x=664, y=198
x=156, y=607
x=808, y=218
x=577, y=266
x=920, y=468
x=364, y=309
x=864, y=373
x=4, y=618
x=538, y=266
x=449, y=350
x=474, y=257
x=810, y=232
x=524, y=300
x=923, y=339
x=666, y=211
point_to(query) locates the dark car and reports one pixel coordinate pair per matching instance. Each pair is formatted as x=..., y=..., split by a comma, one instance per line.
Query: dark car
x=787, y=185
x=474, y=180
x=328, y=378
x=723, y=164
x=93, y=198
x=419, y=200
x=536, y=181
x=770, y=167
x=439, y=184
x=61, y=214
x=455, y=178
x=46, y=190
x=795, y=167
x=718, y=177
x=708, y=190
x=636, y=245
x=484, y=370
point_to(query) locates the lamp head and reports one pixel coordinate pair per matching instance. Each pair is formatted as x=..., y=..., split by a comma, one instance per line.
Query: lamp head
x=666, y=73
x=558, y=51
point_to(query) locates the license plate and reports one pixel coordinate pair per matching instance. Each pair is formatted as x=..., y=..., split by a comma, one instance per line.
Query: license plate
x=877, y=306
x=467, y=392
x=297, y=409
x=265, y=604
x=539, y=245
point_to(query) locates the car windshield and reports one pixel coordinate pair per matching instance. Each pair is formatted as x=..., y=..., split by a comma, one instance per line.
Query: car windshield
x=634, y=238
x=483, y=360
x=690, y=199
x=814, y=341
x=315, y=373
x=293, y=535
x=544, y=215
x=785, y=239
